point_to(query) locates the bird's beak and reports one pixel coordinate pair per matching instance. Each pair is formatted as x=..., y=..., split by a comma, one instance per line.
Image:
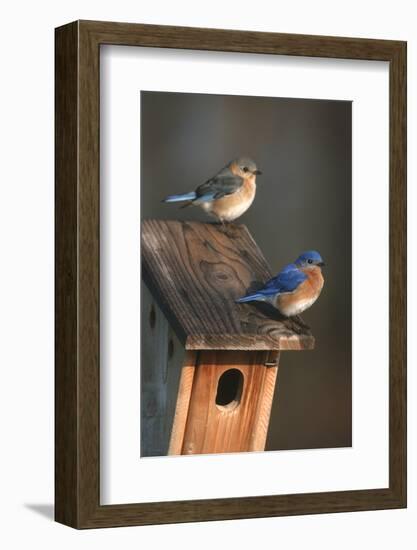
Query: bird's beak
x=321, y=264
x=257, y=173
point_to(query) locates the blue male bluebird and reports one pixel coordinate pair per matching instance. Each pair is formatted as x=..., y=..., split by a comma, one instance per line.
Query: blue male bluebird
x=296, y=287
x=228, y=194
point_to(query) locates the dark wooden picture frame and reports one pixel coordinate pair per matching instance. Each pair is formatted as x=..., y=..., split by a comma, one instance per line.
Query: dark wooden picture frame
x=77, y=371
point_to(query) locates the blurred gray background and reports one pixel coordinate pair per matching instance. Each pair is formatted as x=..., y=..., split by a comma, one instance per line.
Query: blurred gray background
x=303, y=201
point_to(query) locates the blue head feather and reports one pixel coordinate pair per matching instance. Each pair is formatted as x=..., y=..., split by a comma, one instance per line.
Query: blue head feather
x=311, y=257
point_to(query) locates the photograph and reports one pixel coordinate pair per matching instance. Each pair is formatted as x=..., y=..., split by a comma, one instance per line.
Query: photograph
x=246, y=213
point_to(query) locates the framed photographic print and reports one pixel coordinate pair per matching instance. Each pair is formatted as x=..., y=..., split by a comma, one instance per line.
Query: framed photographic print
x=230, y=274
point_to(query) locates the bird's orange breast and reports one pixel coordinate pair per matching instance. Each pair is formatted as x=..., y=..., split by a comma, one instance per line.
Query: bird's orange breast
x=232, y=206
x=292, y=303
x=315, y=281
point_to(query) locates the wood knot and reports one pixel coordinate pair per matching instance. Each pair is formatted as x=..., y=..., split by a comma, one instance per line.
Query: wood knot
x=218, y=272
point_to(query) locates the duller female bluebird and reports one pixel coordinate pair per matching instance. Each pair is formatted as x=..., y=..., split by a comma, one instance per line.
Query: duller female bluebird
x=295, y=288
x=228, y=194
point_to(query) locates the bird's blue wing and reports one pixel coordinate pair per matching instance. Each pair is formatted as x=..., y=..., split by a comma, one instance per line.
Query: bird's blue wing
x=287, y=280
x=224, y=183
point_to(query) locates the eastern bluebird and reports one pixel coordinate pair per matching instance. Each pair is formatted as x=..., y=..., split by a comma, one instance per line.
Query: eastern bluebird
x=296, y=287
x=228, y=194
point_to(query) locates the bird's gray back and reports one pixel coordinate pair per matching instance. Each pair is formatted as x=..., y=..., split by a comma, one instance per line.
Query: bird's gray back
x=223, y=183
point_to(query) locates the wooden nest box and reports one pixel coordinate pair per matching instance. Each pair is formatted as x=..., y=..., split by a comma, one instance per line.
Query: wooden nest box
x=209, y=365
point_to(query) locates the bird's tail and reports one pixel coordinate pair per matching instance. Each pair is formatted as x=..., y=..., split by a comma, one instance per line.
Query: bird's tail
x=180, y=198
x=256, y=297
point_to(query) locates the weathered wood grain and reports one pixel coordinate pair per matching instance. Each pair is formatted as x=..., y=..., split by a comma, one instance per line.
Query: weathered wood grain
x=162, y=358
x=183, y=403
x=196, y=272
x=263, y=413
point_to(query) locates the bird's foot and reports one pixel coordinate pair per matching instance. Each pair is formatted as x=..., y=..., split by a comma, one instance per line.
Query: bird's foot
x=300, y=322
x=229, y=229
x=222, y=227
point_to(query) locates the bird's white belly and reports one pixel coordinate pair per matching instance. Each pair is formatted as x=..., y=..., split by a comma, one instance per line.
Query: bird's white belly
x=229, y=212
x=296, y=307
x=235, y=211
x=206, y=206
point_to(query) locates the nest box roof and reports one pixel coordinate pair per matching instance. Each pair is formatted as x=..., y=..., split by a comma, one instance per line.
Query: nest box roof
x=195, y=271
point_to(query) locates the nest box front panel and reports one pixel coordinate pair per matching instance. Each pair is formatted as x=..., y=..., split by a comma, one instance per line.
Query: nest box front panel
x=225, y=404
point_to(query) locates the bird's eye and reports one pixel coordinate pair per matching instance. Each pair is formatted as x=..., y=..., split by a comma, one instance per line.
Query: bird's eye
x=310, y=261
x=245, y=169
